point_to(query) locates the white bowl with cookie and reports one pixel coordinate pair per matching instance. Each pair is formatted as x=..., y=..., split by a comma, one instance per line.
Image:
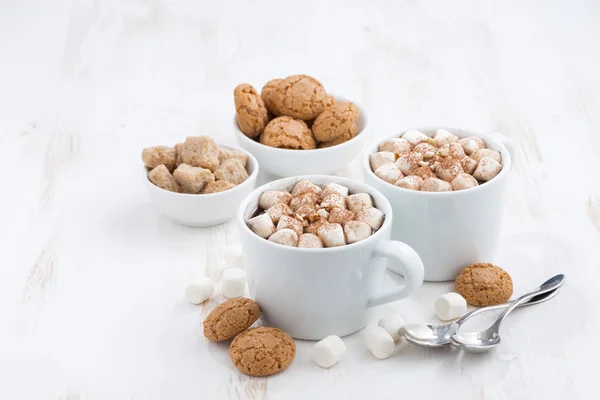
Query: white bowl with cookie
x=293, y=127
x=447, y=189
x=199, y=183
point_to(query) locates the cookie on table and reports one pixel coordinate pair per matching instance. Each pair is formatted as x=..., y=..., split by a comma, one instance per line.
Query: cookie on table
x=484, y=284
x=230, y=318
x=262, y=351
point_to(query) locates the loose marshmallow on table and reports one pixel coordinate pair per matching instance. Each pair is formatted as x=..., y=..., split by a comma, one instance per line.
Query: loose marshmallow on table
x=395, y=145
x=372, y=216
x=310, y=241
x=487, y=169
x=304, y=187
x=463, y=181
x=334, y=188
x=468, y=164
x=436, y=185
x=410, y=182
x=233, y=256
x=271, y=197
x=359, y=201
x=199, y=291
x=332, y=235
x=233, y=283
x=329, y=351
x=333, y=200
x=471, y=144
x=479, y=154
x=450, y=306
x=415, y=137
x=379, y=342
x=286, y=237
x=262, y=225
x=389, y=172
x=277, y=211
x=407, y=162
x=381, y=158
x=443, y=137
x=392, y=324
x=356, y=231
x=287, y=222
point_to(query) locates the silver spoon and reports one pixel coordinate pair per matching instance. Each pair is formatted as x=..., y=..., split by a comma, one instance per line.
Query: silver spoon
x=439, y=335
x=479, y=342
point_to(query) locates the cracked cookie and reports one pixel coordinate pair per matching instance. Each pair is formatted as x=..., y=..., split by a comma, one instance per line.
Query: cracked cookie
x=300, y=96
x=335, y=121
x=250, y=110
x=484, y=284
x=262, y=351
x=288, y=133
x=268, y=95
x=230, y=318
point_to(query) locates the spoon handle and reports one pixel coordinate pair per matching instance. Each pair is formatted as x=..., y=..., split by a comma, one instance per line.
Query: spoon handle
x=551, y=284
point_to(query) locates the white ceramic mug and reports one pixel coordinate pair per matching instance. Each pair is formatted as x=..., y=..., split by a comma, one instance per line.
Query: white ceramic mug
x=449, y=230
x=313, y=293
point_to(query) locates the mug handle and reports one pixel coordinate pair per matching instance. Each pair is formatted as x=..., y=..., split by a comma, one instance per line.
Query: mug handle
x=510, y=145
x=410, y=266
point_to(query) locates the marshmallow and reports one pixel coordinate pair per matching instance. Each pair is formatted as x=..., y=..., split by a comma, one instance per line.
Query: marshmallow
x=334, y=188
x=468, y=165
x=415, y=137
x=323, y=213
x=479, y=154
x=308, y=198
x=332, y=235
x=304, y=187
x=308, y=240
x=443, y=137
x=233, y=256
x=448, y=168
x=313, y=227
x=487, y=169
x=359, y=201
x=423, y=173
x=333, y=200
x=339, y=216
x=453, y=150
x=356, y=231
x=463, y=181
x=286, y=237
x=329, y=351
x=371, y=216
x=450, y=306
x=262, y=225
x=305, y=211
x=287, y=222
x=379, y=342
x=426, y=149
x=271, y=197
x=392, y=324
x=277, y=211
x=410, y=182
x=389, y=172
x=395, y=145
x=471, y=144
x=407, y=162
x=233, y=283
x=383, y=157
x=199, y=291
x=436, y=185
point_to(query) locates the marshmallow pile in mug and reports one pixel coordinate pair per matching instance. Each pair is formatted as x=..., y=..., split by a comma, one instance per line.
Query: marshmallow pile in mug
x=439, y=164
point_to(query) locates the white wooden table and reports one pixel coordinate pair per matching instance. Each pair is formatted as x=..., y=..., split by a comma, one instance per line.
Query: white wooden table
x=92, y=277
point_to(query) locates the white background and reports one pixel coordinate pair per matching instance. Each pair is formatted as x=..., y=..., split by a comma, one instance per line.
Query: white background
x=92, y=277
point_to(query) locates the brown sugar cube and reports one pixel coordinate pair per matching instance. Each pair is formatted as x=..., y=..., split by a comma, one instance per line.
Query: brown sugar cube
x=333, y=122
x=277, y=211
x=226, y=154
x=339, y=216
x=230, y=318
x=192, y=179
x=178, y=160
x=313, y=227
x=157, y=155
x=272, y=197
x=332, y=201
x=308, y=240
x=218, y=186
x=309, y=198
x=162, y=178
x=232, y=170
x=250, y=110
x=287, y=222
x=288, y=133
x=201, y=151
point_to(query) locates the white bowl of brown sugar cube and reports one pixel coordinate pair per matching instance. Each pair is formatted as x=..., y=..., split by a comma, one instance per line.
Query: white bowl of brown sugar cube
x=199, y=183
